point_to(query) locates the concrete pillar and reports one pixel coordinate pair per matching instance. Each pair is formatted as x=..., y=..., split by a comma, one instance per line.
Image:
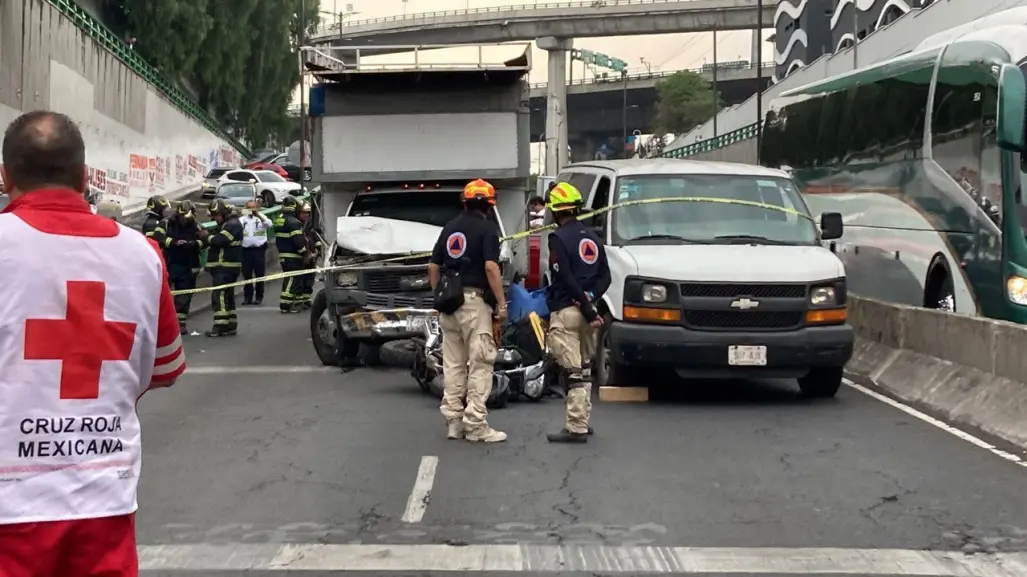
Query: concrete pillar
x=757, y=37
x=556, y=103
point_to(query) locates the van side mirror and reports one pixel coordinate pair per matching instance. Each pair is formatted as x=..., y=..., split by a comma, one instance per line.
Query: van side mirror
x=1012, y=95
x=831, y=226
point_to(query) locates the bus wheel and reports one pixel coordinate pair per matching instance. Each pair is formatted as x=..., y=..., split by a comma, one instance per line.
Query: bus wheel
x=944, y=297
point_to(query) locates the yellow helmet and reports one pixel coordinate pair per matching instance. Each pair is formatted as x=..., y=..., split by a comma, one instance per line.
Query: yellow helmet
x=564, y=196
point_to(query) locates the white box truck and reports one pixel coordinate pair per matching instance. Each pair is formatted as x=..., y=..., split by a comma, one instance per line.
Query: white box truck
x=393, y=146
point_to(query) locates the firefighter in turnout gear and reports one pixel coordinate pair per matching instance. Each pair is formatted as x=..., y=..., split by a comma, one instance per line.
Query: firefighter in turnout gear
x=224, y=261
x=185, y=240
x=292, y=252
x=580, y=275
x=304, y=291
x=153, y=225
x=468, y=285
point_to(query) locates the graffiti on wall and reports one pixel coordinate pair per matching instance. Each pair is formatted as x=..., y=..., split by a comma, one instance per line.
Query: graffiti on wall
x=144, y=175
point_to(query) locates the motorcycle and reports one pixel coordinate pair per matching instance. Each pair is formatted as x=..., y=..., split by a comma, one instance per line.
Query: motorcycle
x=518, y=374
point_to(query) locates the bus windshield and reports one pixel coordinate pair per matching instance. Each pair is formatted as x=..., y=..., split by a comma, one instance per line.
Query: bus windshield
x=711, y=222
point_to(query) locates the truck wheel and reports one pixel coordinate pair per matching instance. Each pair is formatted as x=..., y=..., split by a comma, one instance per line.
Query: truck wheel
x=499, y=401
x=323, y=330
x=606, y=372
x=821, y=382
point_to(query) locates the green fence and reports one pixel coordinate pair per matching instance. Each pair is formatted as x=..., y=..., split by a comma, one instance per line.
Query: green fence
x=110, y=41
x=727, y=139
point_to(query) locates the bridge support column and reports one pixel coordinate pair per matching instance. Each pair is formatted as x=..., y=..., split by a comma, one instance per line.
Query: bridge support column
x=556, y=103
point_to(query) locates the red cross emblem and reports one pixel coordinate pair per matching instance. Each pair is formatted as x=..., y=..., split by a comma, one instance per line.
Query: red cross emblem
x=82, y=340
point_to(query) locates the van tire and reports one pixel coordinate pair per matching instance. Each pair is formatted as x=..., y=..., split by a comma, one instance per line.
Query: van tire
x=821, y=382
x=605, y=372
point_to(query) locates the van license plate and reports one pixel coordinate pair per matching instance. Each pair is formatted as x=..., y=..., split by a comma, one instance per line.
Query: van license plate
x=740, y=355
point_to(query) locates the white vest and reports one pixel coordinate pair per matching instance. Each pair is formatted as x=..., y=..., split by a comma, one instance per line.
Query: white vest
x=76, y=457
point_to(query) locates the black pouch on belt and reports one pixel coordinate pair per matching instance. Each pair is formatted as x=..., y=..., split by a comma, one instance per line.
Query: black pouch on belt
x=449, y=293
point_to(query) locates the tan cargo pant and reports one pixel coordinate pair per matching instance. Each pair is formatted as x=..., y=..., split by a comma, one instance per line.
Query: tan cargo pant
x=468, y=358
x=572, y=343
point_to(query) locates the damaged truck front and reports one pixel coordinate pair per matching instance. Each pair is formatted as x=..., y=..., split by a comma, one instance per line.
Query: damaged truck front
x=394, y=146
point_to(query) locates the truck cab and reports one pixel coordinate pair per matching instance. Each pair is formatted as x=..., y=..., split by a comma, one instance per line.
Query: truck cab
x=718, y=272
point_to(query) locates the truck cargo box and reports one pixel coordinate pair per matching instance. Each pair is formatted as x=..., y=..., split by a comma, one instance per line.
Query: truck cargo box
x=416, y=121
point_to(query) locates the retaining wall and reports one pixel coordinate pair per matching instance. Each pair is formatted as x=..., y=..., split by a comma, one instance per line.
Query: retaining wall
x=137, y=142
x=970, y=370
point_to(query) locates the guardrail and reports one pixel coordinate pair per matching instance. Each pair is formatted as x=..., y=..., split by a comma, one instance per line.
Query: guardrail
x=110, y=41
x=726, y=139
x=335, y=28
x=645, y=74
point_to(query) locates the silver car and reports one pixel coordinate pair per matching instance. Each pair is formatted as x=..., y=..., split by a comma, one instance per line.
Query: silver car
x=237, y=194
x=208, y=188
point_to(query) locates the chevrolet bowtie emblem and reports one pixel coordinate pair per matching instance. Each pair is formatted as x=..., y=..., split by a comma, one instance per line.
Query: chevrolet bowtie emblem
x=745, y=304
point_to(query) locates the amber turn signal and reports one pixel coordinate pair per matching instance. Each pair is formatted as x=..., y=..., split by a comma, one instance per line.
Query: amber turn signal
x=650, y=314
x=826, y=317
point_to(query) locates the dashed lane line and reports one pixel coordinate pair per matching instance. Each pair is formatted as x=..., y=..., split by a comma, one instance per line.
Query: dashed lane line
x=256, y=370
x=594, y=559
x=420, y=496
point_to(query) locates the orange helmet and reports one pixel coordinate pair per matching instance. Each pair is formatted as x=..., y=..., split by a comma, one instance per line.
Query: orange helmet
x=480, y=190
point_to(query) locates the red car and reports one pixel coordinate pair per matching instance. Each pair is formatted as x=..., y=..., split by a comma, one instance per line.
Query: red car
x=268, y=166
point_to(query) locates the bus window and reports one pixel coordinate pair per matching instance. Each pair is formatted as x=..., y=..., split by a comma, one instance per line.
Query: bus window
x=991, y=167
x=956, y=133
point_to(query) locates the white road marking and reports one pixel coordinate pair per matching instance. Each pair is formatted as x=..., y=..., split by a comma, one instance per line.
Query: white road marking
x=421, y=495
x=257, y=370
x=939, y=424
x=578, y=559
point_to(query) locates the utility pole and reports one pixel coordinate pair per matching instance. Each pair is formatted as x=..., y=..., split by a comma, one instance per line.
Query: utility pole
x=303, y=92
x=716, y=105
x=624, y=113
x=759, y=75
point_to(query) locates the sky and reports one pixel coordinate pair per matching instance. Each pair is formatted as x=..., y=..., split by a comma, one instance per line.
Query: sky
x=659, y=52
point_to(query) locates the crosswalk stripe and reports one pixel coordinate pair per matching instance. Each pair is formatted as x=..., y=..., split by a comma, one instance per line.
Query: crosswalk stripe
x=578, y=559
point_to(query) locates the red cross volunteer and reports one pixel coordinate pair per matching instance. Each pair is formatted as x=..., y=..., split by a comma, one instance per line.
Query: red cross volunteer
x=87, y=325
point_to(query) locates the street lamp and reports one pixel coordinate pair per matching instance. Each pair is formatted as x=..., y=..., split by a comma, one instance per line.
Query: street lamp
x=648, y=65
x=759, y=74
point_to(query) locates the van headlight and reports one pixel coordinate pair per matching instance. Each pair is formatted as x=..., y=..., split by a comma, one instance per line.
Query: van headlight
x=1016, y=289
x=346, y=278
x=823, y=296
x=654, y=293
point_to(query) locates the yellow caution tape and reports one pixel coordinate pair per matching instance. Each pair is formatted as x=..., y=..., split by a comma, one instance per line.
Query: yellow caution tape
x=518, y=236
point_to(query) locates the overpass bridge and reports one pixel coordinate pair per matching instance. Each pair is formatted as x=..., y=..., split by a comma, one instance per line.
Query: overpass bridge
x=578, y=19
x=596, y=107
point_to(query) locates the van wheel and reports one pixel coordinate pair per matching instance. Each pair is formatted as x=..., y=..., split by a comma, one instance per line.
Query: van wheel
x=821, y=382
x=606, y=372
x=323, y=330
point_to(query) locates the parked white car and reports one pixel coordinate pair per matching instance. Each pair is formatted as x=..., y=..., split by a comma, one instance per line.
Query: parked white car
x=271, y=188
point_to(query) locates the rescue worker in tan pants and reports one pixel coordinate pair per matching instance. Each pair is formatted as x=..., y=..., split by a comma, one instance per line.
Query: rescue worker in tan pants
x=580, y=274
x=464, y=269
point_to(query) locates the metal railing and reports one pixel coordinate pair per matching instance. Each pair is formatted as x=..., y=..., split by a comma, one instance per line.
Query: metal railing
x=645, y=74
x=710, y=144
x=348, y=58
x=337, y=27
x=110, y=41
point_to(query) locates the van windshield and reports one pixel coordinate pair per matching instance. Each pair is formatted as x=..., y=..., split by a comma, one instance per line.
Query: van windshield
x=435, y=207
x=711, y=222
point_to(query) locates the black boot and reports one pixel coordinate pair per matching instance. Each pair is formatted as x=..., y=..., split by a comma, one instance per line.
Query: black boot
x=220, y=333
x=565, y=436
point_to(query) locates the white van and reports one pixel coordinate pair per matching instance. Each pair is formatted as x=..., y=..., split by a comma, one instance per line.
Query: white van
x=715, y=289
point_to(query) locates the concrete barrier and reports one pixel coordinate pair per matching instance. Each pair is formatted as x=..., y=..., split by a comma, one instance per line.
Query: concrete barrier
x=137, y=142
x=969, y=370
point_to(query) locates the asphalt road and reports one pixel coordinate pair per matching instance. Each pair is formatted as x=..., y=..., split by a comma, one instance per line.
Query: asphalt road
x=260, y=458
